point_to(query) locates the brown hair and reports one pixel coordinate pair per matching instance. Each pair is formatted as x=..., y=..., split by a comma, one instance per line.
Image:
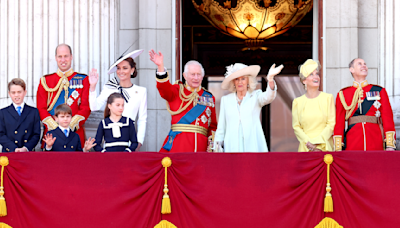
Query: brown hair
x=132, y=63
x=110, y=100
x=17, y=81
x=62, y=109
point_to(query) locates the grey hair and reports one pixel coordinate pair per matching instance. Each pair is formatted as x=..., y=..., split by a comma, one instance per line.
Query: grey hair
x=252, y=84
x=193, y=62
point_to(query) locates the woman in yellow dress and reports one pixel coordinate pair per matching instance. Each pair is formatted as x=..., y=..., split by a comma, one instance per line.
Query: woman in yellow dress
x=313, y=114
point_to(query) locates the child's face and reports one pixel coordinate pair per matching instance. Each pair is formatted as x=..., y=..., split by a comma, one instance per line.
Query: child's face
x=63, y=119
x=17, y=94
x=117, y=107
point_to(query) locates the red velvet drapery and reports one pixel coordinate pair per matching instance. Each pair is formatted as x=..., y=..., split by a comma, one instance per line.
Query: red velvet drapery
x=206, y=190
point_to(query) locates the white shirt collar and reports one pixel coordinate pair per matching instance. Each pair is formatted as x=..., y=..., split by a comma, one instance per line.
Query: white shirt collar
x=22, y=106
x=62, y=129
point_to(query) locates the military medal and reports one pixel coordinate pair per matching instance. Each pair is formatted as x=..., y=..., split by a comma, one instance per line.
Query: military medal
x=208, y=112
x=373, y=95
x=204, y=119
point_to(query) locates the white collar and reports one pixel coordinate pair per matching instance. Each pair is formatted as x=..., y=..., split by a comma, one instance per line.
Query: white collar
x=22, y=106
x=62, y=129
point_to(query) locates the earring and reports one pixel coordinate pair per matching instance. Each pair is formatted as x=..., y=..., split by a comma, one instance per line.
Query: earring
x=248, y=86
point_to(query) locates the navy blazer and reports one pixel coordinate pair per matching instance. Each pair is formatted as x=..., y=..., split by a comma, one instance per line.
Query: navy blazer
x=18, y=131
x=62, y=143
x=111, y=144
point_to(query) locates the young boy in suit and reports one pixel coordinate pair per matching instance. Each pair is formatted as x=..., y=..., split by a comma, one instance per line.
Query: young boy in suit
x=62, y=138
x=19, y=122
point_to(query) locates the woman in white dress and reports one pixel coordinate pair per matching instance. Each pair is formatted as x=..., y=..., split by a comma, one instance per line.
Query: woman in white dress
x=239, y=126
x=135, y=96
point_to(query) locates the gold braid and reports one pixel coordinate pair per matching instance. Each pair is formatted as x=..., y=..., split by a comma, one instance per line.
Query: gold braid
x=63, y=83
x=356, y=99
x=191, y=98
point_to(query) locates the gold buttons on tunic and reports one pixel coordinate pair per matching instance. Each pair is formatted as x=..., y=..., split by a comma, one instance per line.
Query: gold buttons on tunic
x=26, y=131
x=16, y=141
x=25, y=140
x=16, y=132
x=72, y=147
x=65, y=146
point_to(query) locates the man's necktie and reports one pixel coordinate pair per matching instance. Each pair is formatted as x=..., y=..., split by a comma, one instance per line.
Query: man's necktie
x=66, y=132
x=19, y=110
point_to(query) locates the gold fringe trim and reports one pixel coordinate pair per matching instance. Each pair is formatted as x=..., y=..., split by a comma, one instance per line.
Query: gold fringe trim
x=328, y=202
x=75, y=122
x=3, y=208
x=163, y=224
x=3, y=225
x=357, y=99
x=50, y=123
x=328, y=223
x=191, y=98
x=166, y=203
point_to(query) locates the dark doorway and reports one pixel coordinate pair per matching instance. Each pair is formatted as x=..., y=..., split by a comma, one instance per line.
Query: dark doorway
x=202, y=42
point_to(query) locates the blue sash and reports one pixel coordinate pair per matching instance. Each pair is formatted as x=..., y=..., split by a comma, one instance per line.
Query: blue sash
x=61, y=99
x=188, y=118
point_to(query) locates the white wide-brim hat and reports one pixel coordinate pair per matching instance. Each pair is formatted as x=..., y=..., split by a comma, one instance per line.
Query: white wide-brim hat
x=238, y=70
x=133, y=55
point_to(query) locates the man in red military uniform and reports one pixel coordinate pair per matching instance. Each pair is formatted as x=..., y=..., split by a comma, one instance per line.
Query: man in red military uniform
x=368, y=113
x=192, y=108
x=64, y=87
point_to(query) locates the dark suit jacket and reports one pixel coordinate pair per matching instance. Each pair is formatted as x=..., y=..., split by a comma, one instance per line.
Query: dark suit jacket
x=19, y=131
x=62, y=143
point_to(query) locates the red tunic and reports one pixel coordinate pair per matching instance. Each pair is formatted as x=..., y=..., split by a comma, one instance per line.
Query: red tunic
x=365, y=136
x=79, y=102
x=186, y=141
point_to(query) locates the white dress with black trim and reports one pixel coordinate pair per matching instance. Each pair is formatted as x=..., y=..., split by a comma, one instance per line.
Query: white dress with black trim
x=118, y=136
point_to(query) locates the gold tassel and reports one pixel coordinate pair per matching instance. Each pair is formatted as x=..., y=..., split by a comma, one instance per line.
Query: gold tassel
x=3, y=208
x=163, y=224
x=166, y=202
x=3, y=225
x=328, y=223
x=328, y=202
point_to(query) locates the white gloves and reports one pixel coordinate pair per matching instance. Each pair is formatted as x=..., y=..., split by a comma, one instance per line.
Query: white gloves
x=273, y=71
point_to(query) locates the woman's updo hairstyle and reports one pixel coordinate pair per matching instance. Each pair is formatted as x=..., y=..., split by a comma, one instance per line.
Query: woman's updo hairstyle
x=132, y=63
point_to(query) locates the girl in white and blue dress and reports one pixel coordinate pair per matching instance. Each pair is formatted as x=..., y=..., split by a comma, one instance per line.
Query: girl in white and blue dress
x=117, y=131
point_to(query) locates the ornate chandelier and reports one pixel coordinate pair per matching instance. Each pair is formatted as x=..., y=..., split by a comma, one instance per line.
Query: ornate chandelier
x=254, y=20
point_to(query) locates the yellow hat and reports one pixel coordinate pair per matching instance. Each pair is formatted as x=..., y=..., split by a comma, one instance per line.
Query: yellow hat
x=308, y=67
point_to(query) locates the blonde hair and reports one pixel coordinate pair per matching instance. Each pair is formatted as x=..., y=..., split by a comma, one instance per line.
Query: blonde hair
x=301, y=74
x=252, y=84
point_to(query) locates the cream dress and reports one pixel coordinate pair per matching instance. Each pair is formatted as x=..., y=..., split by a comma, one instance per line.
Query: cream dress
x=313, y=121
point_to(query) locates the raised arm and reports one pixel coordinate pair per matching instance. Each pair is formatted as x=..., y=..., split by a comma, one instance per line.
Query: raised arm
x=269, y=95
x=165, y=88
